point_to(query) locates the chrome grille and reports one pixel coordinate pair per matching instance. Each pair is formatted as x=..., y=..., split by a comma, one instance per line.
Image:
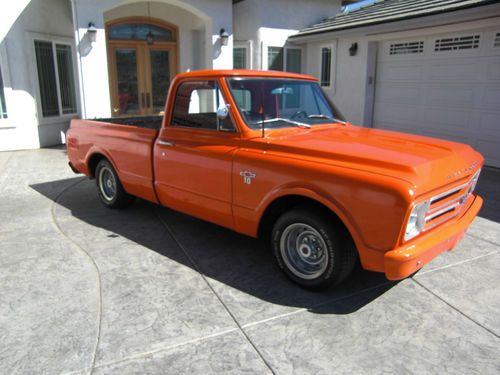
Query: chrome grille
x=448, y=204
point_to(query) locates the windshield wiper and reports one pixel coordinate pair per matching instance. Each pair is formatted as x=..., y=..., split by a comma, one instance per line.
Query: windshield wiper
x=296, y=123
x=327, y=118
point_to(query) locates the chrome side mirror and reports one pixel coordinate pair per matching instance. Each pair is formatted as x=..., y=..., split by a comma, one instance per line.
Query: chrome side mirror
x=222, y=112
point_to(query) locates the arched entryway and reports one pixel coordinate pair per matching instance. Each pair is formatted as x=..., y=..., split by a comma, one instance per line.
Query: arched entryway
x=143, y=58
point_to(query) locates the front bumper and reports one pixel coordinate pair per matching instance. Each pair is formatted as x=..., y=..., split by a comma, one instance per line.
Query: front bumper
x=409, y=258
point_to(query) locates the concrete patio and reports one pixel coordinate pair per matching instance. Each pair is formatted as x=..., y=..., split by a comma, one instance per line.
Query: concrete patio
x=146, y=290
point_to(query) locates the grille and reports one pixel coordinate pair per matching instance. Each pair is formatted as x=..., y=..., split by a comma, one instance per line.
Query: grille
x=497, y=40
x=458, y=43
x=406, y=48
x=447, y=205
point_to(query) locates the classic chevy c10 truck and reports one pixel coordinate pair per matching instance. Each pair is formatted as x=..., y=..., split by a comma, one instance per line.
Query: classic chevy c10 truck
x=268, y=155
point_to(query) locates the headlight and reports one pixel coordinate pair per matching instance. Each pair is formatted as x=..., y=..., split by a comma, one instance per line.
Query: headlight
x=473, y=182
x=416, y=221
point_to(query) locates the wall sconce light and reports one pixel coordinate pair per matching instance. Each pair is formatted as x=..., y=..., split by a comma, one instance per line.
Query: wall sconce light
x=224, y=37
x=92, y=32
x=353, y=49
x=150, y=38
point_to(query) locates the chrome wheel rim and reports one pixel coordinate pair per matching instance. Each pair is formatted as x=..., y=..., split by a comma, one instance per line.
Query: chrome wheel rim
x=304, y=251
x=107, y=183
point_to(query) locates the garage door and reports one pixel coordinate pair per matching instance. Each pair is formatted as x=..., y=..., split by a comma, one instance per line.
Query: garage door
x=444, y=86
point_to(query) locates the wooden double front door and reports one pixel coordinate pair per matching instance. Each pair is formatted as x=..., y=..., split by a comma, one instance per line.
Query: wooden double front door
x=140, y=76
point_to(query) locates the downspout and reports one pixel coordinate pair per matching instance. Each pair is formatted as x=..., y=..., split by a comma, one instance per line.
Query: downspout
x=79, y=59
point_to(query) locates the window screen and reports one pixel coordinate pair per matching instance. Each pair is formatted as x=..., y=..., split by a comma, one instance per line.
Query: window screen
x=293, y=60
x=46, y=78
x=3, y=107
x=239, y=58
x=275, y=59
x=55, y=102
x=66, y=81
x=326, y=66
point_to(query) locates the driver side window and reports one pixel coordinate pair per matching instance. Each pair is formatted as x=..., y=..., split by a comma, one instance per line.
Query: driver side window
x=196, y=104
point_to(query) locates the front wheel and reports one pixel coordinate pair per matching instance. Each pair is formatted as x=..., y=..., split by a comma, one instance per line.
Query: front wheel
x=109, y=187
x=312, y=249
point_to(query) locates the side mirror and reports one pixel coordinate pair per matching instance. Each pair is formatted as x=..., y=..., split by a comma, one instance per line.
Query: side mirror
x=222, y=112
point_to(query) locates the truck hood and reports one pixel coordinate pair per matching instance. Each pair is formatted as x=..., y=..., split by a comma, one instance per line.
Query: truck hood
x=425, y=163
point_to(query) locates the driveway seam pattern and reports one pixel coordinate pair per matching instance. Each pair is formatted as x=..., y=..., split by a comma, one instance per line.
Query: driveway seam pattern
x=6, y=163
x=164, y=349
x=191, y=260
x=317, y=306
x=94, y=264
x=458, y=263
x=454, y=308
x=483, y=239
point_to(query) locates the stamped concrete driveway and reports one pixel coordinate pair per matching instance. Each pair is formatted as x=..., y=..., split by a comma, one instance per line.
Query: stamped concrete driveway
x=85, y=289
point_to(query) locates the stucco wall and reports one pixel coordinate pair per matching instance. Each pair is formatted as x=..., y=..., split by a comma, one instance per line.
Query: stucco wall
x=199, y=25
x=25, y=21
x=270, y=23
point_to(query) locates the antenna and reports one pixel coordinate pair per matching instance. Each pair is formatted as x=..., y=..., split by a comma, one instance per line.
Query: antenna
x=262, y=108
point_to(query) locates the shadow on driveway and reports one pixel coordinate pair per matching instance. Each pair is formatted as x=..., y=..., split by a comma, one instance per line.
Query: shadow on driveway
x=236, y=261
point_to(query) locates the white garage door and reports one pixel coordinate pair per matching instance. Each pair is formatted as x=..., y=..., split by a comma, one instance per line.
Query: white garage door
x=444, y=86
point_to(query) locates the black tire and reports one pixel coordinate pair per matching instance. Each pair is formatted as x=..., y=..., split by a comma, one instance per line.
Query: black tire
x=109, y=187
x=312, y=248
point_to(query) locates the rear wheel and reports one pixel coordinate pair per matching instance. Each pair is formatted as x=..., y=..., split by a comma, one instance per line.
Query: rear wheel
x=109, y=187
x=312, y=249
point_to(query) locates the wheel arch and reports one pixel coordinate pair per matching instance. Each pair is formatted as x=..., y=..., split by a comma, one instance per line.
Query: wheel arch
x=94, y=157
x=276, y=207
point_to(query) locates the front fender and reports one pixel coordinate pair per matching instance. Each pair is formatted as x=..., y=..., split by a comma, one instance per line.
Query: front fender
x=314, y=193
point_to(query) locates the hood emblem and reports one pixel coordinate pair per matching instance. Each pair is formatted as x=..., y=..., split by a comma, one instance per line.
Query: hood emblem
x=462, y=171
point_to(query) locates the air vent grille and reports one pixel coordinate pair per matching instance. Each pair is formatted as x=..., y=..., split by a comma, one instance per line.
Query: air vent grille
x=457, y=43
x=406, y=48
x=497, y=40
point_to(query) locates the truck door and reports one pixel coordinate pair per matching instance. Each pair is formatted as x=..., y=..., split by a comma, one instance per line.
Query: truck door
x=193, y=154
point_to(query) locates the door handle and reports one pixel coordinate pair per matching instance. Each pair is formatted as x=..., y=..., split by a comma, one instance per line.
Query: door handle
x=143, y=100
x=148, y=100
x=163, y=142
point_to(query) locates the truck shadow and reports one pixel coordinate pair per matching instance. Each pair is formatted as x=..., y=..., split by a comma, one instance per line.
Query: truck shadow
x=236, y=266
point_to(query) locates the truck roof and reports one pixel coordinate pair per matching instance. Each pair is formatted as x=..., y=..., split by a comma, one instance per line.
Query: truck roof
x=244, y=73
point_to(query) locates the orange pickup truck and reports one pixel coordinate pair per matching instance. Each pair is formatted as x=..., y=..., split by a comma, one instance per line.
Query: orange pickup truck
x=268, y=155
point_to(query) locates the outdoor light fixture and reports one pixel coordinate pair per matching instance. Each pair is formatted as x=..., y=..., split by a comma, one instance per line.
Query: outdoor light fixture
x=224, y=37
x=353, y=49
x=92, y=32
x=150, y=38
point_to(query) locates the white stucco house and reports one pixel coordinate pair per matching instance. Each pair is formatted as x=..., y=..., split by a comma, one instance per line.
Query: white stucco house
x=422, y=66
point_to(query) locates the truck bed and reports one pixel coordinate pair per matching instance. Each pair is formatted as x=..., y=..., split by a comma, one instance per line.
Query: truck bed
x=148, y=122
x=127, y=142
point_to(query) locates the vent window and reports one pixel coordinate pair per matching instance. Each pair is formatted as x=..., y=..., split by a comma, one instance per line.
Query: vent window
x=458, y=43
x=406, y=48
x=497, y=40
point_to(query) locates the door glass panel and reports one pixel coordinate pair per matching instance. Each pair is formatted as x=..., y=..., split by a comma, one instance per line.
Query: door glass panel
x=126, y=71
x=160, y=78
x=139, y=31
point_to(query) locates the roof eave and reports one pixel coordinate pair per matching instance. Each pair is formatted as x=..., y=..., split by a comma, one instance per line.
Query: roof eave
x=302, y=36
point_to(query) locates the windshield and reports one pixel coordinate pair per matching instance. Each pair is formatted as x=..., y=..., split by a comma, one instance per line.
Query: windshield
x=278, y=103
